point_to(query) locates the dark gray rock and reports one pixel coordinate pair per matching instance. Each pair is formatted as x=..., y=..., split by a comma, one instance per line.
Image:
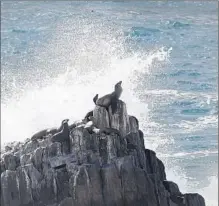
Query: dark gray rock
x=37, y=158
x=8, y=148
x=54, y=149
x=194, y=199
x=47, y=191
x=30, y=146
x=95, y=185
x=25, y=190
x=134, y=145
x=61, y=180
x=80, y=187
x=10, y=161
x=101, y=117
x=105, y=168
x=154, y=165
x=35, y=177
x=66, y=202
x=26, y=159
x=10, y=193
x=133, y=123
x=120, y=119
x=2, y=166
x=112, y=186
x=171, y=187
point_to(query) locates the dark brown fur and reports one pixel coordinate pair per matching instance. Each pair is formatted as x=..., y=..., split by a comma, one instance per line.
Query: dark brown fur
x=110, y=99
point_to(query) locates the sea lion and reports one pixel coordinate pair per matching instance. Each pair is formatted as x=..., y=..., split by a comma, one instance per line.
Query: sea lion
x=41, y=134
x=88, y=116
x=63, y=135
x=90, y=126
x=110, y=99
x=107, y=130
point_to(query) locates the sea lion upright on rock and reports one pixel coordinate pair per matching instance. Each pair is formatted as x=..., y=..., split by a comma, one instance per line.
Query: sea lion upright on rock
x=110, y=99
x=41, y=134
x=63, y=135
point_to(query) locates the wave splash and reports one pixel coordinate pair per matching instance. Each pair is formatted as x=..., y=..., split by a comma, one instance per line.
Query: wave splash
x=69, y=70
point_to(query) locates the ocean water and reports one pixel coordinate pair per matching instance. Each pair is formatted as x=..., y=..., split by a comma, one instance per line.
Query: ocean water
x=55, y=56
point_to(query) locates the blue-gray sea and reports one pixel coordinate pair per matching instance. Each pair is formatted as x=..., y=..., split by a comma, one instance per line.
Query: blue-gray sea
x=55, y=56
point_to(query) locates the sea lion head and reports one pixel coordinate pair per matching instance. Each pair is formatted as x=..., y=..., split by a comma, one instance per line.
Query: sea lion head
x=118, y=89
x=65, y=121
x=88, y=116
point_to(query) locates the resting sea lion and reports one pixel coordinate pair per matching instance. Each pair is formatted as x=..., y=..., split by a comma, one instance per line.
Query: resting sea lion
x=88, y=116
x=63, y=135
x=45, y=132
x=93, y=129
x=107, y=130
x=110, y=99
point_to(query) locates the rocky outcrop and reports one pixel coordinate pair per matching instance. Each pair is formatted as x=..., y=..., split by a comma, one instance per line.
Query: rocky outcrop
x=90, y=169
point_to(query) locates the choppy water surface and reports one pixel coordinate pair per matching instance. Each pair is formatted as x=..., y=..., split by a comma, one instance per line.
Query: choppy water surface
x=56, y=56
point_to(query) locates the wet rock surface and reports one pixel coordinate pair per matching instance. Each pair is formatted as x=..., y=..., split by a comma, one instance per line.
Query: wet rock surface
x=90, y=169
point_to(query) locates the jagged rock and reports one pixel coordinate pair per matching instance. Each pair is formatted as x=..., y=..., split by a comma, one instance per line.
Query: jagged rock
x=8, y=148
x=134, y=126
x=46, y=141
x=12, y=147
x=10, y=161
x=177, y=200
x=37, y=158
x=194, y=200
x=47, y=192
x=2, y=166
x=134, y=145
x=112, y=187
x=54, y=149
x=30, y=146
x=62, y=185
x=111, y=147
x=171, y=187
x=101, y=117
x=95, y=185
x=66, y=202
x=10, y=193
x=128, y=180
x=154, y=165
x=24, y=183
x=141, y=136
x=35, y=177
x=120, y=119
x=26, y=159
x=80, y=187
x=101, y=169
